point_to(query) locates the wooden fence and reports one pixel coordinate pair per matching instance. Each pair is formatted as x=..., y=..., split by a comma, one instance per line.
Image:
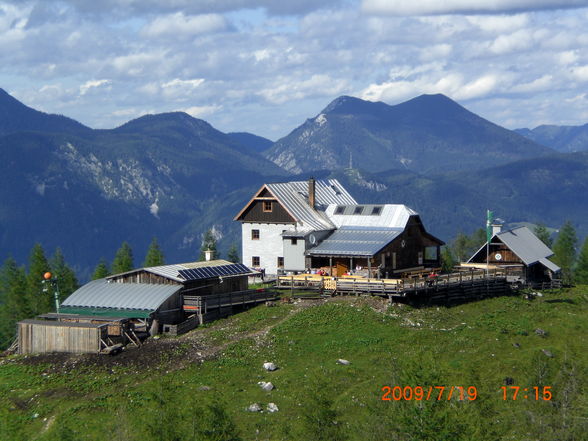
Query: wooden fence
x=446, y=288
x=358, y=285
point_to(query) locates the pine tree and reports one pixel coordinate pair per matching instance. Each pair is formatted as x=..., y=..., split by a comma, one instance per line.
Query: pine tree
x=460, y=247
x=543, y=234
x=66, y=277
x=15, y=306
x=41, y=300
x=477, y=239
x=123, y=260
x=564, y=249
x=154, y=255
x=101, y=271
x=581, y=272
x=208, y=243
x=447, y=260
x=233, y=255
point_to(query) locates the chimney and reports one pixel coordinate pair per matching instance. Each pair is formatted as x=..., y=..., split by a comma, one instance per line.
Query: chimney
x=311, y=192
x=496, y=228
x=208, y=255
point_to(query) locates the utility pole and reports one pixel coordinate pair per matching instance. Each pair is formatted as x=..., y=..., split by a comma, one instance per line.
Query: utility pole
x=49, y=280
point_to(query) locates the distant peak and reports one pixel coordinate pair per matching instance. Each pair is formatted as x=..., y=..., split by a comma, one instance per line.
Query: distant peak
x=351, y=104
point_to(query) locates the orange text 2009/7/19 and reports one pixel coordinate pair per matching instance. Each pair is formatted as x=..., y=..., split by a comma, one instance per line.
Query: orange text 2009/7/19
x=427, y=393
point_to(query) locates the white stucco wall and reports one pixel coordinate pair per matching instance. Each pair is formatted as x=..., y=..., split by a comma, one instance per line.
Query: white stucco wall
x=294, y=259
x=268, y=247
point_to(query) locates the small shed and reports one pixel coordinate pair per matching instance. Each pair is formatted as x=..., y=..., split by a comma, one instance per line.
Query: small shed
x=41, y=336
x=133, y=300
x=157, y=293
x=519, y=247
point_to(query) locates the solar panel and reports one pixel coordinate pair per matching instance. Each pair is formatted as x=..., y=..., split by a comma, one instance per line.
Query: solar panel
x=209, y=272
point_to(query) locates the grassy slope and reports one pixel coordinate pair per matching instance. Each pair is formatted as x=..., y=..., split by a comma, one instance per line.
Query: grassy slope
x=470, y=345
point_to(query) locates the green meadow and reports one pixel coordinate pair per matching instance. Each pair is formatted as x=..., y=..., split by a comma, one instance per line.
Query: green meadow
x=198, y=386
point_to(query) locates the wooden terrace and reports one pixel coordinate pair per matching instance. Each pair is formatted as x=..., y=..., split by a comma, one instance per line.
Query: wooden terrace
x=454, y=286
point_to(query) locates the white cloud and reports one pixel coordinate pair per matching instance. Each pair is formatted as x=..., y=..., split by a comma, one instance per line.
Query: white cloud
x=268, y=73
x=451, y=84
x=178, y=24
x=201, y=111
x=285, y=89
x=580, y=73
x=176, y=83
x=499, y=23
x=434, y=7
x=92, y=84
x=537, y=85
x=142, y=63
x=517, y=41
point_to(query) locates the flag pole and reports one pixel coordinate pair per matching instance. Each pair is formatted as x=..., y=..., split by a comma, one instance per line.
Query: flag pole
x=488, y=238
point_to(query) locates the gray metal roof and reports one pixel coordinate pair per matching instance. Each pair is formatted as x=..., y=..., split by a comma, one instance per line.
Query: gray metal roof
x=294, y=196
x=525, y=244
x=173, y=271
x=355, y=241
x=528, y=247
x=549, y=264
x=103, y=294
x=389, y=216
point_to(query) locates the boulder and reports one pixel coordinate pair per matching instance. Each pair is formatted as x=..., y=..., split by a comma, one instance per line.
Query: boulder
x=546, y=352
x=266, y=386
x=271, y=407
x=269, y=366
x=254, y=408
x=343, y=362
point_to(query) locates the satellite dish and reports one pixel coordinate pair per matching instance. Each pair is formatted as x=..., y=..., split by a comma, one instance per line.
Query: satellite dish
x=403, y=243
x=498, y=256
x=312, y=239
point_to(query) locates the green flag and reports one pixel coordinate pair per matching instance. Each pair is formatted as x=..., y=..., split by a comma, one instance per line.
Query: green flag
x=489, y=216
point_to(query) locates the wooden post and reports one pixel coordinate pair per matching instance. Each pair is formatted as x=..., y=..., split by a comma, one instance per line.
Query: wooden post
x=331, y=266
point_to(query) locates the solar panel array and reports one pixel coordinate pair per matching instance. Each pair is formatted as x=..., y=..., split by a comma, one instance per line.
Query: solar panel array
x=208, y=272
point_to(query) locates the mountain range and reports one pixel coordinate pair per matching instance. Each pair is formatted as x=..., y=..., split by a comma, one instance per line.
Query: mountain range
x=430, y=133
x=174, y=176
x=561, y=138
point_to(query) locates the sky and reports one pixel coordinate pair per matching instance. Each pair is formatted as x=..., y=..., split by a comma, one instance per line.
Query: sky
x=265, y=66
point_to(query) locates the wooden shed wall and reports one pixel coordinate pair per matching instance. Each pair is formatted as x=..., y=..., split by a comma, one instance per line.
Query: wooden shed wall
x=143, y=277
x=41, y=338
x=213, y=286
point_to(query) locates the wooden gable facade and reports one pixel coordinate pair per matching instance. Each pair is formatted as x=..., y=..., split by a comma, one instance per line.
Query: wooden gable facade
x=414, y=248
x=501, y=255
x=264, y=207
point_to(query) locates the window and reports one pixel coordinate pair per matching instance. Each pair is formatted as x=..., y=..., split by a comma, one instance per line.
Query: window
x=280, y=262
x=294, y=241
x=376, y=211
x=430, y=253
x=255, y=261
x=358, y=210
x=267, y=206
x=254, y=234
x=340, y=209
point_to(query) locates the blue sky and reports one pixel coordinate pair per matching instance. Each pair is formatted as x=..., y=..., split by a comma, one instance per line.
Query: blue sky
x=265, y=66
